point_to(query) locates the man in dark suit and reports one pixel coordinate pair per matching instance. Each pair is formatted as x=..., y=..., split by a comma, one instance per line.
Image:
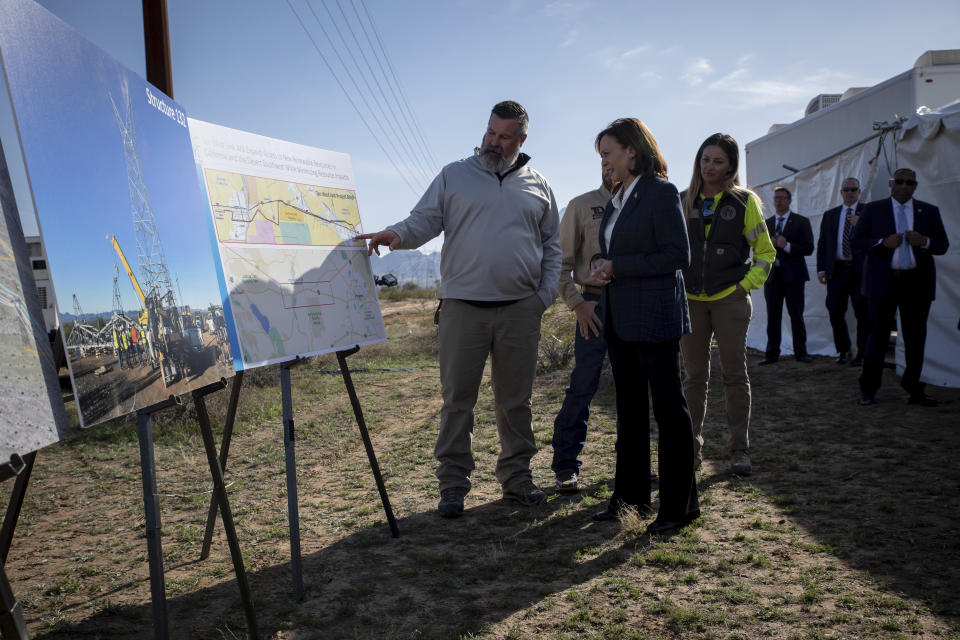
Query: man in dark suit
x=840, y=267
x=899, y=236
x=793, y=238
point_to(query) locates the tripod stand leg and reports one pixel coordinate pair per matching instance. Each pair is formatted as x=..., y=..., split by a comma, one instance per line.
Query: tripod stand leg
x=15, y=504
x=224, y=451
x=220, y=496
x=12, y=624
x=365, y=436
x=151, y=503
x=293, y=508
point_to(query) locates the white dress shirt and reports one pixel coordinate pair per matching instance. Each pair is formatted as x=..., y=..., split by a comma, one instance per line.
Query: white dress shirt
x=896, y=262
x=617, y=202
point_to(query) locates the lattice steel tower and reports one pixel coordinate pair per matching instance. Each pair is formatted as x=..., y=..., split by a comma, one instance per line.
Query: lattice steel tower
x=154, y=275
x=117, y=302
x=77, y=310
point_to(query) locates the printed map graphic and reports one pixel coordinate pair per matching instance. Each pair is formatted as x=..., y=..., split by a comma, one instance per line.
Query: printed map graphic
x=298, y=282
x=247, y=209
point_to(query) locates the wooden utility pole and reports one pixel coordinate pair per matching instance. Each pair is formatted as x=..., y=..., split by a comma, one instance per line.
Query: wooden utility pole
x=156, y=44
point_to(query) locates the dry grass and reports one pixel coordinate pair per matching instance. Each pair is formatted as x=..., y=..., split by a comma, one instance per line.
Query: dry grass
x=847, y=529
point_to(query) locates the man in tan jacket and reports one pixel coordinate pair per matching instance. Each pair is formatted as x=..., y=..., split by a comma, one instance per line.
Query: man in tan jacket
x=579, y=241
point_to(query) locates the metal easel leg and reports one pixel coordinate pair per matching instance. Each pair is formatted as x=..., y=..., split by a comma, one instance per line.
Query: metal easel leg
x=293, y=509
x=224, y=452
x=15, y=504
x=12, y=624
x=220, y=497
x=151, y=504
x=358, y=413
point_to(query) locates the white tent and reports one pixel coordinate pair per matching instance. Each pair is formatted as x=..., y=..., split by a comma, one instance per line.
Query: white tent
x=928, y=142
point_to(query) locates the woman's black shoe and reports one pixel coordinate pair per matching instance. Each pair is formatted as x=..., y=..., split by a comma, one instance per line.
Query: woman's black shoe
x=663, y=526
x=607, y=514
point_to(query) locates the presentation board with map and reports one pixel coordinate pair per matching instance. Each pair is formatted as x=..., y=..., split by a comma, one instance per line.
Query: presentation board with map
x=284, y=218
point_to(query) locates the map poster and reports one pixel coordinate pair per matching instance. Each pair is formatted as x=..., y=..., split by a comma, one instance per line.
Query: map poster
x=284, y=218
x=32, y=415
x=113, y=179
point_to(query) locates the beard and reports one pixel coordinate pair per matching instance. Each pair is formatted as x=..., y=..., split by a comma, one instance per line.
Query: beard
x=492, y=158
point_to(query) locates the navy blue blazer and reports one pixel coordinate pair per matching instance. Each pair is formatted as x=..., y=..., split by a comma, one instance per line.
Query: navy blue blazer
x=876, y=223
x=827, y=242
x=646, y=301
x=799, y=233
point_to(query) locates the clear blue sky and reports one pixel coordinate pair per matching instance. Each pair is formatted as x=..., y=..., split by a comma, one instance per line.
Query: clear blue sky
x=687, y=69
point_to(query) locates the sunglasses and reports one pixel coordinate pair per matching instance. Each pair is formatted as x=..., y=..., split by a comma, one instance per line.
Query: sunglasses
x=906, y=181
x=850, y=189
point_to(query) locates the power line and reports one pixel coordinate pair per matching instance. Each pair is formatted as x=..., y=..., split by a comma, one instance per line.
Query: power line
x=420, y=148
x=373, y=112
x=352, y=103
x=424, y=174
x=406, y=103
x=373, y=74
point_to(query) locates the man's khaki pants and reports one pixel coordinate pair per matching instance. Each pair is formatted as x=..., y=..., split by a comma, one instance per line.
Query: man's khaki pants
x=728, y=319
x=509, y=334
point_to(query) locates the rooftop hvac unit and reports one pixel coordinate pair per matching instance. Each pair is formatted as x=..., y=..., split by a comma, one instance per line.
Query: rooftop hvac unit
x=822, y=101
x=935, y=58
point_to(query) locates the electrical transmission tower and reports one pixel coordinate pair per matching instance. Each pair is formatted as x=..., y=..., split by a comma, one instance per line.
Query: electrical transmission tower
x=117, y=302
x=155, y=277
x=77, y=309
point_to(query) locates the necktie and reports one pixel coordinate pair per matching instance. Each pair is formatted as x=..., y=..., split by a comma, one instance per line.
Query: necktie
x=847, y=232
x=904, y=253
x=779, y=230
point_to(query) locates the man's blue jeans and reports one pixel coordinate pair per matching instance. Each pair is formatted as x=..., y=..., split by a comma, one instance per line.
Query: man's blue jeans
x=570, y=426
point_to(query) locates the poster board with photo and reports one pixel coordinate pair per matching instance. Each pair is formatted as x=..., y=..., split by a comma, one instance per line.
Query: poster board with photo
x=111, y=171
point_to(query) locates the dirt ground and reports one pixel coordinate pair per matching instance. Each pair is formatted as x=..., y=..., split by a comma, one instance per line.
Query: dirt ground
x=848, y=527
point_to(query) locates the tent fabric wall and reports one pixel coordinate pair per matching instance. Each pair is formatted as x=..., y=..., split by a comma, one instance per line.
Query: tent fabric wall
x=815, y=189
x=929, y=142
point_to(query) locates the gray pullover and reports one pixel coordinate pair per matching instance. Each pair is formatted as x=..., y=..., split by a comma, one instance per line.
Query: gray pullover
x=501, y=238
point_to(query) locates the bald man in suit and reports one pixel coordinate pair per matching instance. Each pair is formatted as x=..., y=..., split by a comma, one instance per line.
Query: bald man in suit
x=840, y=267
x=900, y=236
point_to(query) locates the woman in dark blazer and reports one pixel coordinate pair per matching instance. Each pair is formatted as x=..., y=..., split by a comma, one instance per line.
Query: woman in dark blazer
x=643, y=247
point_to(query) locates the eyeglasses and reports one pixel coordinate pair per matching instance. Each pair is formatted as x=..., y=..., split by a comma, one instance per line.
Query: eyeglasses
x=850, y=189
x=906, y=181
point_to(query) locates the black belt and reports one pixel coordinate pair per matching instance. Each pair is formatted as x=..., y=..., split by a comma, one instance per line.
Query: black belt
x=594, y=290
x=845, y=263
x=902, y=272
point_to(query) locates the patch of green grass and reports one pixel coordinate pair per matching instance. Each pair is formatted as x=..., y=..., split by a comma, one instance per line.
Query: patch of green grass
x=736, y=594
x=671, y=558
x=689, y=620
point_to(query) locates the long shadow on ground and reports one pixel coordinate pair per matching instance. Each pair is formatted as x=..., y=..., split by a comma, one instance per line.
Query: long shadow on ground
x=455, y=577
x=880, y=485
